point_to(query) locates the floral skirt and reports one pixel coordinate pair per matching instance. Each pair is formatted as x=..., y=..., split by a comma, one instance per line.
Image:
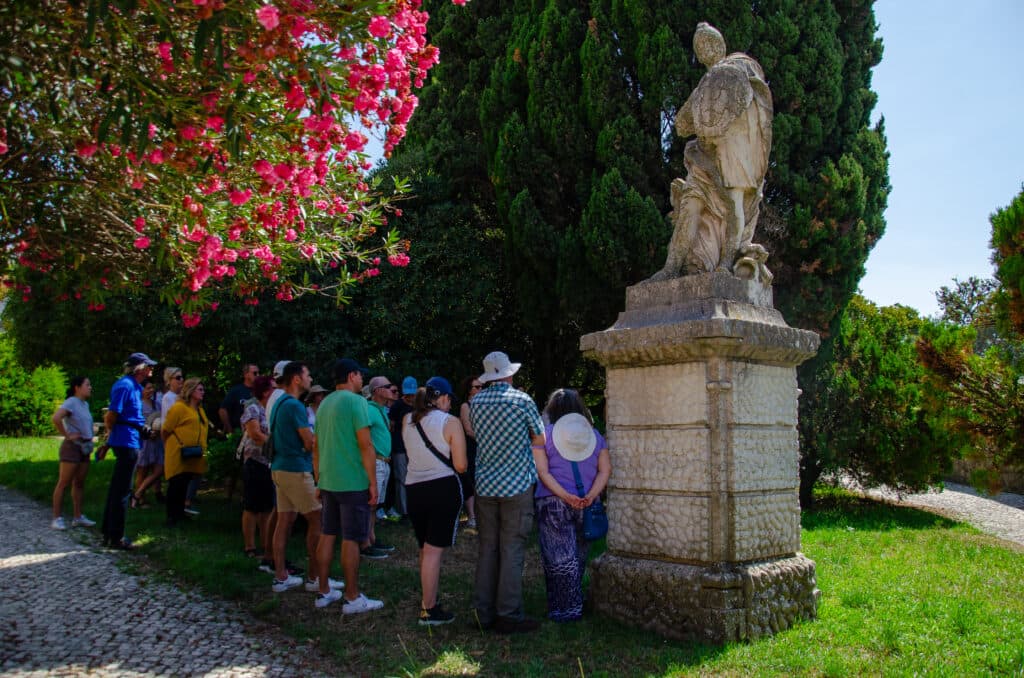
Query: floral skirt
x=563, y=553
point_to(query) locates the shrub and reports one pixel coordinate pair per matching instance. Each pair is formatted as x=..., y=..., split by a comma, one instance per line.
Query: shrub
x=27, y=399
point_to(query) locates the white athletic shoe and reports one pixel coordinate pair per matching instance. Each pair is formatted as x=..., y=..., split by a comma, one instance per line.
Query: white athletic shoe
x=58, y=523
x=313, y=585
x=289, y=582
x=82, y=521
x=361, y=604
x=325, y=599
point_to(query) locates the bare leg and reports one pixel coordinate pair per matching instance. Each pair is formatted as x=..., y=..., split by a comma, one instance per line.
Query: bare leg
x=312, y=538
x=78, y=487
x=66, y=475
x=268, y=535
x=281, y=534
x=430, y=573
x=350, y=566
x=324, y=555
x=152, y=478
x=249, y=530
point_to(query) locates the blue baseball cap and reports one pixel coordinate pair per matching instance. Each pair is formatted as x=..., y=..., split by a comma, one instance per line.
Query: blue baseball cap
x=440, y=384
x=409, y=386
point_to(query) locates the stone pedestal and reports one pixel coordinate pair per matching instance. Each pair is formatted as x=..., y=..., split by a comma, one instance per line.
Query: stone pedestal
x=704, y=536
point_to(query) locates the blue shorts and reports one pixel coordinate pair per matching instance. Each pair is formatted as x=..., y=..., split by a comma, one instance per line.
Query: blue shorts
x=346, y=514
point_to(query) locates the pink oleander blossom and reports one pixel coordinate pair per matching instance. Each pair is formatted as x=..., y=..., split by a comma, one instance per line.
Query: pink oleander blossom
x=379, y=27
x=268, y=16
x=142, y=243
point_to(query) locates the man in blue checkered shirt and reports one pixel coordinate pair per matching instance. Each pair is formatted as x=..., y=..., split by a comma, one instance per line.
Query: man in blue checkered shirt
x=507, y=424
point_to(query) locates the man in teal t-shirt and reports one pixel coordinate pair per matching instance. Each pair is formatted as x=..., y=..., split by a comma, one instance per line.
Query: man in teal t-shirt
x=344, y=462
x=292, y=470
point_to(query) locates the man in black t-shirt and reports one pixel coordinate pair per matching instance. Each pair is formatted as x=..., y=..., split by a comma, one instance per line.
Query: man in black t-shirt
x=234, y=402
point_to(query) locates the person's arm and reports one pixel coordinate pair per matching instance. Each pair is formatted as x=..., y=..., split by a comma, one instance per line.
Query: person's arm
x=369, y=457
x=225, y=420
x=306, y=433
x=109, y=421
x=457, y=442
x=540, y=458
x=252, y=429
x=467, y=423
x=604, y=471
x=58, y=423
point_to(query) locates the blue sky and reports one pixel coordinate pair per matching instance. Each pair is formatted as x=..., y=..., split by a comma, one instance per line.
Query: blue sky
x=951, y=89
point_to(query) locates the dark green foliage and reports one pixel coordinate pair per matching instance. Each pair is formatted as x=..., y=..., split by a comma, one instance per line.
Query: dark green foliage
x=552, y=119
x=28, y=399
x=871, y=422
x=1008, y=257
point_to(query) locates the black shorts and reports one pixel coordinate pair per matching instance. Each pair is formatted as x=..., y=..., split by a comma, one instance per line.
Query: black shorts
x=434, y=508
x=346, y=514
x=259, y=493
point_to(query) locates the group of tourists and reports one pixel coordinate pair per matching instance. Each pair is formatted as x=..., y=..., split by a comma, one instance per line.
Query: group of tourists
x=328, y=455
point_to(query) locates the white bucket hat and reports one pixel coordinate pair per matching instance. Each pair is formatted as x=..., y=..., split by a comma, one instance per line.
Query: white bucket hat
x=497, y=366
x=574, y=437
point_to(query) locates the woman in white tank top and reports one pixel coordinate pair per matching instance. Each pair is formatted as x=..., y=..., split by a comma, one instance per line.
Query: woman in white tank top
x=436, y=447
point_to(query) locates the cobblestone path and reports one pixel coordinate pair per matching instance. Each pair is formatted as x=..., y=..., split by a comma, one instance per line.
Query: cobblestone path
x=1002, y=515
x=66, y=609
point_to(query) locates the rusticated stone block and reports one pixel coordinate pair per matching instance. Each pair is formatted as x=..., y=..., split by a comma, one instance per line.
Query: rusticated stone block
x=660, y=459
x=715, y=603
x=764, y=459
x=667, y=395
x=766, y=526
x=764, y=395
x=655, y=525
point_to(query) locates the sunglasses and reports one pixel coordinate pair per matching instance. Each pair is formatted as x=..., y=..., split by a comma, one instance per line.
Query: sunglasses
x=178, y=377
x=477, y=387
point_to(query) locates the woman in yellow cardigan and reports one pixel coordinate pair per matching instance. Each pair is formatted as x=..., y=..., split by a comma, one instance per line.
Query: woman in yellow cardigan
x=185, y=426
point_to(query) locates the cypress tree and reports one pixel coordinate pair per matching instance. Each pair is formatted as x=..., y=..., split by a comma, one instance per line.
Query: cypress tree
x=553, y=118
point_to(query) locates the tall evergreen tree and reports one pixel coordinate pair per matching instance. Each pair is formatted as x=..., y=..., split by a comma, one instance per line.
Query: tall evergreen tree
x=554, y=119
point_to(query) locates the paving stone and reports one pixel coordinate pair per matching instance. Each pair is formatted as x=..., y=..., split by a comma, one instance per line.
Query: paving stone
x=68, y=610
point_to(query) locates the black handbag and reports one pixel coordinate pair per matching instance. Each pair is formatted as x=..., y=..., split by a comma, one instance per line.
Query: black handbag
x=595, y=520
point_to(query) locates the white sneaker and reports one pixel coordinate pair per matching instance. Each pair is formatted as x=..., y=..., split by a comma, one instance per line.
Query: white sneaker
x=360, y=605
x=82, y=521
x=58, y=523
x=313, y=585
x=289, y=582
x=325, y=599
x=394, y=515
x=381, y=515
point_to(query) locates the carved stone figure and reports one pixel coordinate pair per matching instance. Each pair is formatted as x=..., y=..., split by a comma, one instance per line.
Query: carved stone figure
x=715, y=208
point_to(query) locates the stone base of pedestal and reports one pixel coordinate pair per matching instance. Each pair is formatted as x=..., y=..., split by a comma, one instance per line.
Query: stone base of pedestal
x=716, y=604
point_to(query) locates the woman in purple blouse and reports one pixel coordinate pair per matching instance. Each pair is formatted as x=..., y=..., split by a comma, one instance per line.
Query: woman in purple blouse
x=571, y=438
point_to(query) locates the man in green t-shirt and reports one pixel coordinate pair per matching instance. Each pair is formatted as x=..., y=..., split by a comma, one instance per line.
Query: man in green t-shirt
x=345, y=464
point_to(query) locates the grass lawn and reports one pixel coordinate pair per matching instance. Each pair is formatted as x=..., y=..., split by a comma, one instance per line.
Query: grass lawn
x=904, y=592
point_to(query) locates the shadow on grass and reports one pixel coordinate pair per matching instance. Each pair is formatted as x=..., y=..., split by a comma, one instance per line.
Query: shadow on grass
x=837, y=508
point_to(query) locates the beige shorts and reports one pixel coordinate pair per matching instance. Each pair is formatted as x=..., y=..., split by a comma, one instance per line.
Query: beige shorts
x=295, y=492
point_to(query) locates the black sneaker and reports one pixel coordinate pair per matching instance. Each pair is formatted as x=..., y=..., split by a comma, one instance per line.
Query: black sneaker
x=435, y=616
x=381, y=546
x=373, y=553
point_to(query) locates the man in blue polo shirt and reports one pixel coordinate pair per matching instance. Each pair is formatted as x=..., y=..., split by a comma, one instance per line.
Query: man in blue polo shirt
x=506, y=423
x=124, y=423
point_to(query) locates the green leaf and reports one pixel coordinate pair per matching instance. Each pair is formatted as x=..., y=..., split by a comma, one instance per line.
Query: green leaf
x=199, y=44
x=90, y=23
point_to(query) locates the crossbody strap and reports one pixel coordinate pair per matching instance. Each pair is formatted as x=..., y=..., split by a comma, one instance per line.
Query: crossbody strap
x=579, y=480
x=202, y=420
x=430, y=446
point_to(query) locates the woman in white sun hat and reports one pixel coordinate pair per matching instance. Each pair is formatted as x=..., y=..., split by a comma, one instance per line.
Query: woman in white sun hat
x=571, y=438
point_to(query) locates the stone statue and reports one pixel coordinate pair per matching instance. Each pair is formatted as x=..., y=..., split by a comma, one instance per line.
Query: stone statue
x=715, y=208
